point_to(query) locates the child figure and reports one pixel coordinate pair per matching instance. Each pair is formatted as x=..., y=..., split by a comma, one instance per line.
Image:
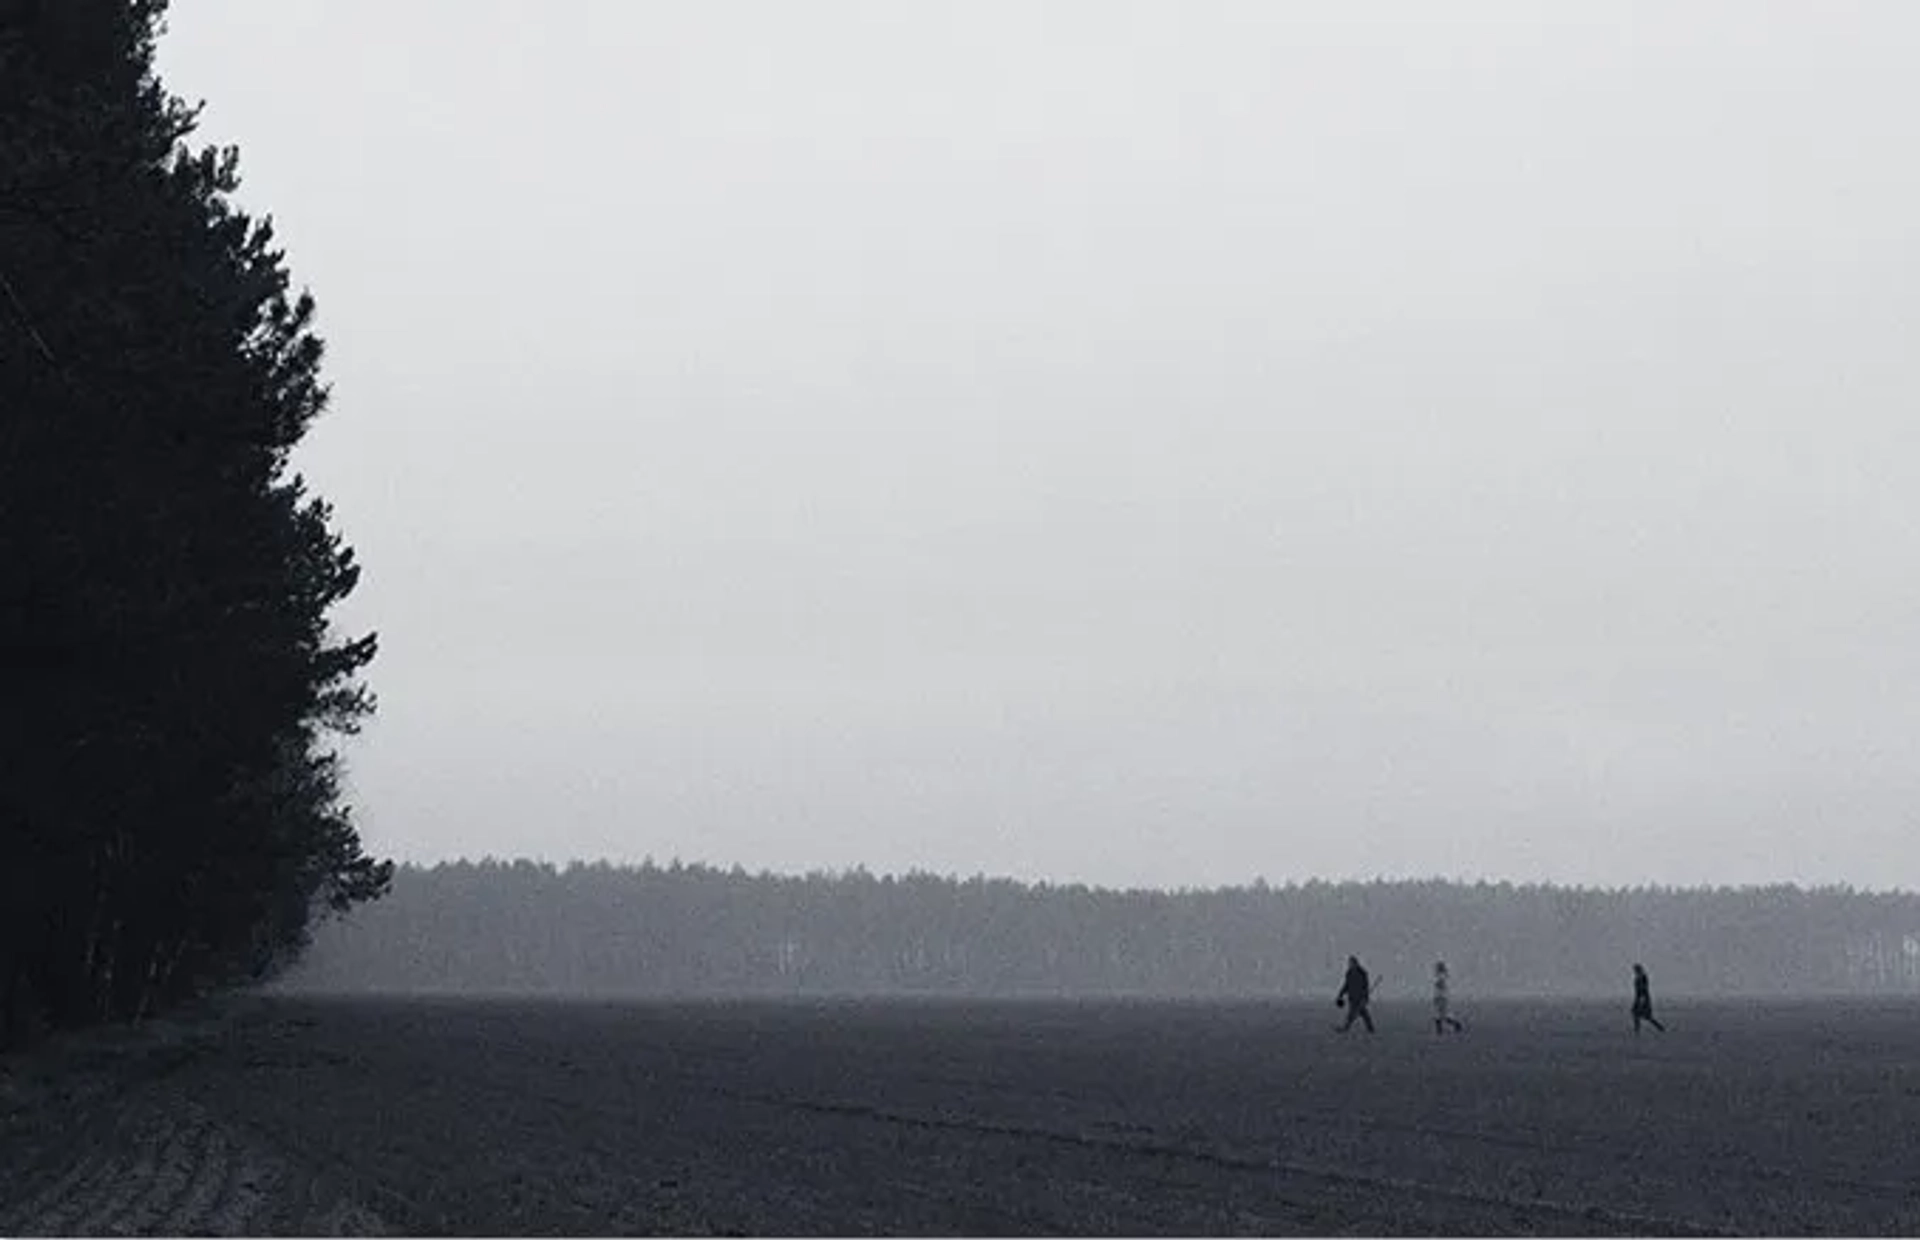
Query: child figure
x=1442, y=1019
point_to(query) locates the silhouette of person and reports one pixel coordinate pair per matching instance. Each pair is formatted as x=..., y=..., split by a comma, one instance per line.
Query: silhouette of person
x=1355, y=991
x=1442, y=1019
x=1643, y=1002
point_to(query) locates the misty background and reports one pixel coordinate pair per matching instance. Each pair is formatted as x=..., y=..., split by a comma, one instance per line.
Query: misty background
x=517, y=928
x=1122, y=444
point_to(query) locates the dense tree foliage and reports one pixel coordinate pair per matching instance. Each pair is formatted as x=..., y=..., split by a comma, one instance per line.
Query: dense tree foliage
x=169, y=809
x=654, y=930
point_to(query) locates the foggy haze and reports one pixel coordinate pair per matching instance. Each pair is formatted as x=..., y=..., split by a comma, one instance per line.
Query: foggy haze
x=677, y=931
x=1128, y=444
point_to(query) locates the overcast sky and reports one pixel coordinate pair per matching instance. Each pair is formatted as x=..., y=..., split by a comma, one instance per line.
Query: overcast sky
x=1137, y=444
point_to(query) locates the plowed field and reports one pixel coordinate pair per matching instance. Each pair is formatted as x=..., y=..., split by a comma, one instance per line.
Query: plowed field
x=517, y=1117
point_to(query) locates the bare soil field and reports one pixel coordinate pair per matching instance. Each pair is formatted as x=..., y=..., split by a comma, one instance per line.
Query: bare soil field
x=101, y=1134
x=867, y=1117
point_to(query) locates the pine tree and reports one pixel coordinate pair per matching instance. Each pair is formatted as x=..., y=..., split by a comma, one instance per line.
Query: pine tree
x=170, y=811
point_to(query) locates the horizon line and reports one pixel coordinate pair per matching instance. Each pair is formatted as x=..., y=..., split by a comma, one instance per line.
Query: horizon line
x=1257, y=882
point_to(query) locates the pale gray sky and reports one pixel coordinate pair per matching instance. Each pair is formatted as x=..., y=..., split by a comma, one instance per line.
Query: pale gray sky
x=1158, y=443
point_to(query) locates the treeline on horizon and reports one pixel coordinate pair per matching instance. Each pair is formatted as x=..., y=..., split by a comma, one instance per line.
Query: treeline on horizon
x=521, y=927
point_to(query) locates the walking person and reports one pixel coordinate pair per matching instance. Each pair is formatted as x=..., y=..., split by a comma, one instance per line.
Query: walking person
x=1643, y=1002
x=1442, y=1019
x=1355, y=991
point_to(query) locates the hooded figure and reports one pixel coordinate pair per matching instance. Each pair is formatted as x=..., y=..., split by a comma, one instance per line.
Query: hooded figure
x=1355, y=991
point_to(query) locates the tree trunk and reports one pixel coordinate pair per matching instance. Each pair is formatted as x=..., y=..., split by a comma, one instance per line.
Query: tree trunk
x=143, y=1002
x=10, y=1031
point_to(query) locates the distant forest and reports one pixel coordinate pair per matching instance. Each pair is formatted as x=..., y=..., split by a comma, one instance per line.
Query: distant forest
x=525, y=928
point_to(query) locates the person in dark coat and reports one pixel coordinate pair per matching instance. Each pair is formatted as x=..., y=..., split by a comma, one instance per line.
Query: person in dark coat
x=1354, y=994
x=1643, y=1002
x=1443, y=1017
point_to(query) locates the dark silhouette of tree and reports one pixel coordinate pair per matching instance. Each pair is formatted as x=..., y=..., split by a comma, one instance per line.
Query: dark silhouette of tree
x=170, y=811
